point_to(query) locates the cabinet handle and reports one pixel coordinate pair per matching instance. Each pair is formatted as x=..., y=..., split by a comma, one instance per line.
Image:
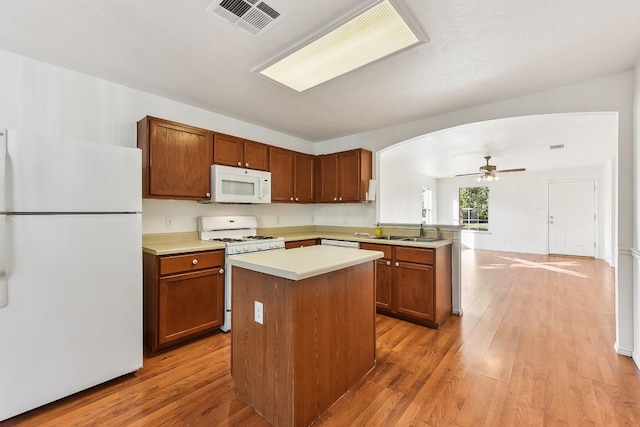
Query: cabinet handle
x=296, y=199
x=194, y=262
x=340, y=198
x=246, y=164
x=397, y=264
x=291, y=198
x=239, y=163
x=221, y=271
x=388, y=262
x=208, y=194
x=335, y=199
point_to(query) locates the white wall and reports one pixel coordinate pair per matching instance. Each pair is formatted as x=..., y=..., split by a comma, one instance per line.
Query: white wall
x=518, y=209
x=401, y=191
x=50, y=100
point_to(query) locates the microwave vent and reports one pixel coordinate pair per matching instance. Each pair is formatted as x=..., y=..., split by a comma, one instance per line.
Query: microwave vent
x=252, y=16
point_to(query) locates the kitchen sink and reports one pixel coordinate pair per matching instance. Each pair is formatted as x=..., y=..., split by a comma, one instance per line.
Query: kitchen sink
x=420, y=239
x=391, y=237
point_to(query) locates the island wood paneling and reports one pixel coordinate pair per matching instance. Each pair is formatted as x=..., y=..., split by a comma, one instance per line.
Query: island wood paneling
x=316, y=342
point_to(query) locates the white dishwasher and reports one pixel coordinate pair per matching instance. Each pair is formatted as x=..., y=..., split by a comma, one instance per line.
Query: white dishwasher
x=343, y=243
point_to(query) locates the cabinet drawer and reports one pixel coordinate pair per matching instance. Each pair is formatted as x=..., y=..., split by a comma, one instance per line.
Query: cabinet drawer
x=190, y=262
x=300, y=243
x=417, y=255
x=386, y=249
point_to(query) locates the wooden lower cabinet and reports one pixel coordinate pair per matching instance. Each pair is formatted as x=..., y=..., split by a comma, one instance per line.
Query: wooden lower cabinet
x=183, y=297
x=301, y=243
x=413, y=283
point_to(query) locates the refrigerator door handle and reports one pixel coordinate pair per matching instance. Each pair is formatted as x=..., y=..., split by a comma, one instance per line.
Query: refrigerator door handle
x=4, y=285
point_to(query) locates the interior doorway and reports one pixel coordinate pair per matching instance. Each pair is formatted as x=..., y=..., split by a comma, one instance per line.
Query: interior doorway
x=572, y=218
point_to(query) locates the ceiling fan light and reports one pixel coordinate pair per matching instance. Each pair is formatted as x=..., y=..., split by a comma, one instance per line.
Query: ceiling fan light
x=488, y=177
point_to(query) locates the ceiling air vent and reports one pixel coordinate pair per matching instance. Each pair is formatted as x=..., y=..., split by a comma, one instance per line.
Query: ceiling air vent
x=253, y=16
x=556, y=146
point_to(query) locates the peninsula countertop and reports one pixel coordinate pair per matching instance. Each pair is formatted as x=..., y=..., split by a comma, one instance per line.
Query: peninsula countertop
x=303, y=263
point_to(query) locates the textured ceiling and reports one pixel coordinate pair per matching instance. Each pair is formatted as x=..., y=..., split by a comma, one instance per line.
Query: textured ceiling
x=478, y=52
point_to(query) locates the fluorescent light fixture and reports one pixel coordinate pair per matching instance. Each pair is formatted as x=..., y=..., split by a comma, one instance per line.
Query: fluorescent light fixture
x=377, y=32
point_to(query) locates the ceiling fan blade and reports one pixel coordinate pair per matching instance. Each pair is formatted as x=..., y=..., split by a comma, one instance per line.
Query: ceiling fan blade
x=469, y=174
x=511, y=170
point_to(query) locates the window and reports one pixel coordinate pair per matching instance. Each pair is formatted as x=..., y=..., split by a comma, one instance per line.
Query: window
x=427, y=206
x=474, y=208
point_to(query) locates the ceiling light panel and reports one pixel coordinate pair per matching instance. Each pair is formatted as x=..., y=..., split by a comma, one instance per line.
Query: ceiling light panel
x=374, y=34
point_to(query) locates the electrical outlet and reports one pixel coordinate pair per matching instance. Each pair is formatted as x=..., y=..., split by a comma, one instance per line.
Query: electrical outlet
x=258, y=312
x=168, y=222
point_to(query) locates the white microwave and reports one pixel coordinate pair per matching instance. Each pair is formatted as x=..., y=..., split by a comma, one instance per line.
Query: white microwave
x=238, y=185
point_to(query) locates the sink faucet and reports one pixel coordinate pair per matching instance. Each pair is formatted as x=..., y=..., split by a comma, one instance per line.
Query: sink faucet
x=422, y=230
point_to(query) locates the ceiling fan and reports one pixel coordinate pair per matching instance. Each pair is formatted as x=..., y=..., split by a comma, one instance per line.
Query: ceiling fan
x=488, y=172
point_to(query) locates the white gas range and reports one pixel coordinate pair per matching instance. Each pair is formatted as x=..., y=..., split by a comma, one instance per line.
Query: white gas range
x=238, y=233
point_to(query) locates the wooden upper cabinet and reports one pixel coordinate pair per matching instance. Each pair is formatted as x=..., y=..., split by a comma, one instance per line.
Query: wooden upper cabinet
x=176, y=160
x=327, y=178
x=234, y=151
x=281, y=165
x=304, y=178
x=292, y=176
x=256, y=155
x=343, y=177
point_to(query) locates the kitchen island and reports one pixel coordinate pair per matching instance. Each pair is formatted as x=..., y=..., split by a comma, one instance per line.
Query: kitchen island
x=303, y=326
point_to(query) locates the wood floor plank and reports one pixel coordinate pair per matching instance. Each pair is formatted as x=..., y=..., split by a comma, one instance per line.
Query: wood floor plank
x=533, y=348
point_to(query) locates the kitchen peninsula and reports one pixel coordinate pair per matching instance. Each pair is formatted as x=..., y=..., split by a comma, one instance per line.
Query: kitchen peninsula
x=303, y=324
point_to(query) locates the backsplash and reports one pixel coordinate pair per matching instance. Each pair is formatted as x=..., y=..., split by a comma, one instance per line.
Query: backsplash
x=173, y=216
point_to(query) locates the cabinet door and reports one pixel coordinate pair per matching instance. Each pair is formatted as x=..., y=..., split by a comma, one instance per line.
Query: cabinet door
x=228, y=150
x=327, y=172
x=349, y=176
x=179, y=161
x=189, y=304
x=413, y=290
x=281, y=166
x=304, y=181
x=384, y=277
x=256, y=155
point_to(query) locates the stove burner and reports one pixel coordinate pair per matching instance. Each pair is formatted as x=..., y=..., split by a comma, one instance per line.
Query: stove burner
x=226, y=240
x=258, y=237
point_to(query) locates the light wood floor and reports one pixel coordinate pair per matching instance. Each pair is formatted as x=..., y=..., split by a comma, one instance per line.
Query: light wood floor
x=534, y=348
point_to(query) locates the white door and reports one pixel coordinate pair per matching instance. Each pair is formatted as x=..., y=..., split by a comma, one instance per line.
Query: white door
x=572, y=219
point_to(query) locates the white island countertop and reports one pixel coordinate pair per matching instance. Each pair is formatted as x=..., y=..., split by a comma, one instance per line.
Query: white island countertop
x=302, y=263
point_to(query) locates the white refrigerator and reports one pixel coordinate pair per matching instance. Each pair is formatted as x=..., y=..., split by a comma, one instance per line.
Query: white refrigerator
x=70, y=267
